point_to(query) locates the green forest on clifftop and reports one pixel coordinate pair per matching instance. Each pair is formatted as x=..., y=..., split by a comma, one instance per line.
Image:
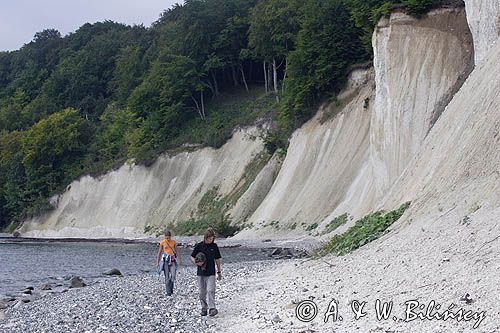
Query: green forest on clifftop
x=86, y=102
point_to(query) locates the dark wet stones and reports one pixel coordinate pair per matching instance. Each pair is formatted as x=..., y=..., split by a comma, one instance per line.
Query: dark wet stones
x=77, y=282
x=113, y=272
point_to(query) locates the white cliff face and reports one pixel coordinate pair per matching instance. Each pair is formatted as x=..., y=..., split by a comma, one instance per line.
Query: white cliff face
x=321, y=162
x=348, y=164
x=458, y=167
x=122, y=202
x=418, y=66
x=484, y=22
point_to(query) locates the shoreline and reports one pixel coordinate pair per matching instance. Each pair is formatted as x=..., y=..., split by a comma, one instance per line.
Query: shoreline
x=306, y=245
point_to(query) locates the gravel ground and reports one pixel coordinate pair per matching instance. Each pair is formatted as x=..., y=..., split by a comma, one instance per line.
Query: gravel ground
x=130, y=304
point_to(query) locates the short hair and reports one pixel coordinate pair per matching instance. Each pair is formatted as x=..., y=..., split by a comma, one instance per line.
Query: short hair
x=167, y=233
x=209, y=233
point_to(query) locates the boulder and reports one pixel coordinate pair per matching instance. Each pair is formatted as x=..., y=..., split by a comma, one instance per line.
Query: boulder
x=77, y=282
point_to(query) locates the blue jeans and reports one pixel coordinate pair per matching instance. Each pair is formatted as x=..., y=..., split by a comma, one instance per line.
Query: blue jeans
x=170, y=272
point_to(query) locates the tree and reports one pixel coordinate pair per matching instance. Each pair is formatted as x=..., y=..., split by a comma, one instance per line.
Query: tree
x=327, y=44
x=52, y=151
x=112, y=139
x=274, y=25
x=12, y=177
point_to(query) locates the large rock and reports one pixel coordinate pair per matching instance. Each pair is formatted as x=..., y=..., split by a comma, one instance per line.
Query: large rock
x=77, y=282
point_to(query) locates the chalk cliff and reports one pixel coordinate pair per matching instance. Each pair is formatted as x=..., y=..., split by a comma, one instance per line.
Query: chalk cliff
x=417, y=126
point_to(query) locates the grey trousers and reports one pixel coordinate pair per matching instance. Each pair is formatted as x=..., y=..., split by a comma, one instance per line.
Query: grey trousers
x=206, y=286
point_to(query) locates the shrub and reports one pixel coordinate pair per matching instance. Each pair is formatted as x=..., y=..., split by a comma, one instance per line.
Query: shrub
x=364, y=231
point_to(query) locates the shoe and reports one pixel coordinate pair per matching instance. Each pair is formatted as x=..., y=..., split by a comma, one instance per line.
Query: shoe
x=213, y=312
x=203, y=312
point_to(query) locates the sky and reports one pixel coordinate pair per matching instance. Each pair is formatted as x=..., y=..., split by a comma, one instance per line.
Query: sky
x=21, y=19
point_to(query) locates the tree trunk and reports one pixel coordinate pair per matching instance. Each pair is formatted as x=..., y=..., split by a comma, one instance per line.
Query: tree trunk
x=235, y=80
x=269, y=77
x=265, y=75
x=202, y=105
x=284, y=77
x=211, y=86
x=197, y=106
x=216, y=86
x=243, y=76
x=275, y=79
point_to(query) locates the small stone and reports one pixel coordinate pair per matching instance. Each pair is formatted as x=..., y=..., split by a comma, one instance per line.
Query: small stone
x=113, y=272
x=46, y=286
x=467, y=299
x=18, y=304
x=276, y=252
x=276, y=319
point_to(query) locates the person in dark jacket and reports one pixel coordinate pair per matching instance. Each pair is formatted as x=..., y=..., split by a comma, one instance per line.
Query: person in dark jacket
x=206, y=256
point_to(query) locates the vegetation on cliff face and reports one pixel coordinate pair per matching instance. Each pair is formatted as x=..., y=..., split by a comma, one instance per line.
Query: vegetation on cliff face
x=364, y=231
x=86, y=102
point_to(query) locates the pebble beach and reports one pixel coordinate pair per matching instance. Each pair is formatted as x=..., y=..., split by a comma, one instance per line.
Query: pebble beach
x=131, y=304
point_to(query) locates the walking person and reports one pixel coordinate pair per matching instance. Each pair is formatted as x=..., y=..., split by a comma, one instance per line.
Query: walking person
x=206, y=256
x=168, y=261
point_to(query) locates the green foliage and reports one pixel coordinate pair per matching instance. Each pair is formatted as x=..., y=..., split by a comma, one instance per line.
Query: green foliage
x=367, y=13
x=274, y=25
x=311, y=227
x=110, y=145
x=51, y=149
x=326, y=45
x=224, y=113
x=364, y=231
x=12, y=177
x=336, y=222
x=418, y=7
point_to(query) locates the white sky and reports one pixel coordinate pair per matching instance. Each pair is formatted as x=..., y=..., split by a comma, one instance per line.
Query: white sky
x=21, y=19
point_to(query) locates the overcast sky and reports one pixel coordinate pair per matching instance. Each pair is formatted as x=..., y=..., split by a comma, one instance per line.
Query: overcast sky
x=21, y=19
